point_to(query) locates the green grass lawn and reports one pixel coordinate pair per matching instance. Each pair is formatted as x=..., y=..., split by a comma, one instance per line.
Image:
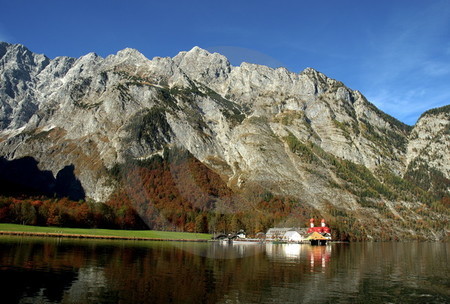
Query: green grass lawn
x=109, y=232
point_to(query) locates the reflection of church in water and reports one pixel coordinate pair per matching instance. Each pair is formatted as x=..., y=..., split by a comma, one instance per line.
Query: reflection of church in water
x=318, y=257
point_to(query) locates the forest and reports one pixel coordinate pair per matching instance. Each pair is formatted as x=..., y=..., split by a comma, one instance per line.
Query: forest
x=176, y=192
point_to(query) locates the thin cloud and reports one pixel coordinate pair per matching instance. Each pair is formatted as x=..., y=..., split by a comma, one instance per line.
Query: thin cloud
x=304, y=47
x=436, y=68
x=4, y=35
x=410, y=39
x=407, y=72
x=230, y=31
x=407, y=106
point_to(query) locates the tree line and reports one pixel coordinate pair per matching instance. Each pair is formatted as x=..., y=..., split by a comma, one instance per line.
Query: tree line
x=176, y=192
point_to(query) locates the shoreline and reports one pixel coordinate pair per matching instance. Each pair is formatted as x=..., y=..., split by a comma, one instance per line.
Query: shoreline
x=91, y=236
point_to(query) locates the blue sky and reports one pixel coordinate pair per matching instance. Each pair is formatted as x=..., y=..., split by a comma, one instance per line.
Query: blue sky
x=397, y=53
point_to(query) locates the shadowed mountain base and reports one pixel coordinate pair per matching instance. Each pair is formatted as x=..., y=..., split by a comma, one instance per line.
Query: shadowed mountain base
x=23, y=177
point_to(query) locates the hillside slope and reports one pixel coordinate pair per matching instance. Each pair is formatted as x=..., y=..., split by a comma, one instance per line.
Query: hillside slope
x=302, y=136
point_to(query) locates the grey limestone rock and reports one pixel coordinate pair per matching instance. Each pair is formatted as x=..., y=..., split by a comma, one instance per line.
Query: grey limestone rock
x=249, y=123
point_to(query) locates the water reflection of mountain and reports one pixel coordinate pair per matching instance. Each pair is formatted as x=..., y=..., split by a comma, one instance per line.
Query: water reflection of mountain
x=71, y=271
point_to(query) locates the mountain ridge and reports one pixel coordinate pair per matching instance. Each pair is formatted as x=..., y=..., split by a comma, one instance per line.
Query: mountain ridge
x=301, y=135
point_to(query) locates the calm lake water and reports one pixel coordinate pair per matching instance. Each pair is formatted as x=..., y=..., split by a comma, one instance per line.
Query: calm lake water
x=94, y=271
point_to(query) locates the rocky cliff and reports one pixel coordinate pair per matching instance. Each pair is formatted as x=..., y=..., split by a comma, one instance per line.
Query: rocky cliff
x=301, y=135
x=427, y=158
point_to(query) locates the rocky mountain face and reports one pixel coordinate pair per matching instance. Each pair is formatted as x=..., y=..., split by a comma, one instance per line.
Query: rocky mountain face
x=428, y=161
x=302, y=135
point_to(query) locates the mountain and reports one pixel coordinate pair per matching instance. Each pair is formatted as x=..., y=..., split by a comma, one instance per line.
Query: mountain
x=265, y=133
x=428, y=163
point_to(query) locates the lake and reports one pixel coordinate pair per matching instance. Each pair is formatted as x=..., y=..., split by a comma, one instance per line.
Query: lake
x=50, y=270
